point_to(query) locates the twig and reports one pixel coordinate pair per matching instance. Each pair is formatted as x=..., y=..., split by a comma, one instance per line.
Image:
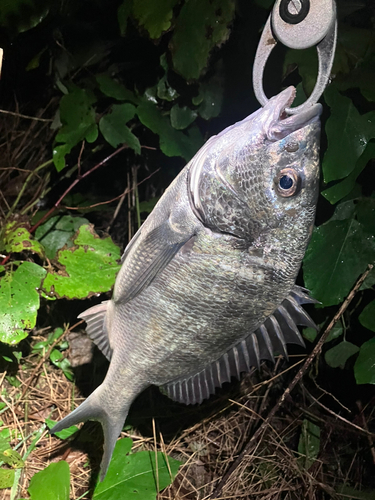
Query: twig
x=317, y=349
x=49, y=120
x=74, y=183
x=370, y=436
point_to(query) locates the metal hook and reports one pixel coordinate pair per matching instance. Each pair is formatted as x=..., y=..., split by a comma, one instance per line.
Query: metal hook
x=299, y=25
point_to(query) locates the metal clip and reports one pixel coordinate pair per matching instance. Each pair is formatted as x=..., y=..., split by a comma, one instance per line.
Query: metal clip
x=299, y=24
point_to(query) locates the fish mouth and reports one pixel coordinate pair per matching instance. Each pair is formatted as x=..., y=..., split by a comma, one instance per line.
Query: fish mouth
x=279, y=124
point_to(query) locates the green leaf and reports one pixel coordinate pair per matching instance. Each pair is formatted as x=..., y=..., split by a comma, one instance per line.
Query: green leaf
x=123, y=14
x=4, y=444
x=369, y=281
x=114, y=129
x=57, y=232
x=58, y=155
x=364, y=368
x=182, y=117
x=12, y=458
x=344, y=187
x=154, y=15
x=19, y=301
x=52, y=483
x=367, y=316
x=348, y=133
x=89, y=267
x=6, y=478
x=338, y=253
x=172, y=142
x=307, y=64
x=22, y=15
x=210, y=98
x=65, y=433
x=134, y=476
x=338, y=355
x=114, y=89
x=148, y=206
x=309, y=444
x=79, y=122
x=199, y=27
x=18, y=239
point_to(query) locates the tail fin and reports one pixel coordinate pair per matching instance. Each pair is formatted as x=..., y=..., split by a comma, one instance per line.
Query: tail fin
x=112, y=423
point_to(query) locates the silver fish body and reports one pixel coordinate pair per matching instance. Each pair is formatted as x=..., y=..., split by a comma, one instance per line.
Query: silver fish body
x=207, y=285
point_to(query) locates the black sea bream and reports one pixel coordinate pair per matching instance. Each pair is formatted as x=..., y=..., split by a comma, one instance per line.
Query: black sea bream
x=207, y=285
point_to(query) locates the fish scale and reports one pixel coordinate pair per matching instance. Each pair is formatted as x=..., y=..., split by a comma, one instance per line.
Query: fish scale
x=207, y=285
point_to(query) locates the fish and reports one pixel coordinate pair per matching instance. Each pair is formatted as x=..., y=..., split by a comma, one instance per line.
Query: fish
x=207, y=288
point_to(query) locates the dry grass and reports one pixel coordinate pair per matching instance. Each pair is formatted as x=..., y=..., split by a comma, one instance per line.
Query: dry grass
x=274, y=470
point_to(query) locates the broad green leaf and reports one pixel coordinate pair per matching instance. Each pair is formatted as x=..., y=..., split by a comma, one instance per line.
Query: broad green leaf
x=65, y=433
x=200, y=26
x=134, y=476
x=338, y=253
x=123, y=13
x=182, y=117
x=52, y=483
x=18, y=239
x=344, y=187
x=338, y=355
x=87, y=268
x=12, y=458
x=311, y=334
x=364, y=368
x=6, y=478
x=309, y=443
x=114, y=89
x=210, y=98
x=348, y=133
x=57, y=232
x=78, y=123
x=22, y=15
x=19, y=301
x=58, y=154
x=369, y=281
x=4, y=444
x=307, y=63
x=148, y=206
x=154, y=15
x=114, y=129
x=367, y=316
x=172, y=142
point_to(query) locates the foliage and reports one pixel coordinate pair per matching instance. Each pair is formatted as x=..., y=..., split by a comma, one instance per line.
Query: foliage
x=138, y=475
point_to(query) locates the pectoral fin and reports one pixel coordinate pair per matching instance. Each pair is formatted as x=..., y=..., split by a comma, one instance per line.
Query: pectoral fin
x=146, y=259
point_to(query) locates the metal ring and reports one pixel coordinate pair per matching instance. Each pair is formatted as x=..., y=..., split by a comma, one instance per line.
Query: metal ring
x=296, y=18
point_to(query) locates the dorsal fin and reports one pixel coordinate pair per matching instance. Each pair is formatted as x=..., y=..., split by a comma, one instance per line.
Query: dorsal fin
x=279, y=329
x=96, y=327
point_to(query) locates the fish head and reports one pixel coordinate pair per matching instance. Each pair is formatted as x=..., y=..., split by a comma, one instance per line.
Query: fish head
x=258, y=179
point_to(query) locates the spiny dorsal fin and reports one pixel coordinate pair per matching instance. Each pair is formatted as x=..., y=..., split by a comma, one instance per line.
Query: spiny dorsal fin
x=96, y=329
x=272, y=336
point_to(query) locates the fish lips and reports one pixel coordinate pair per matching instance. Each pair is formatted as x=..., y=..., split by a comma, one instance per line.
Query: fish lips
x=278, y=124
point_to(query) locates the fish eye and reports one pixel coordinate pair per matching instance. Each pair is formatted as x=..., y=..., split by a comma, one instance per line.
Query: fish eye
x=288, y=182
